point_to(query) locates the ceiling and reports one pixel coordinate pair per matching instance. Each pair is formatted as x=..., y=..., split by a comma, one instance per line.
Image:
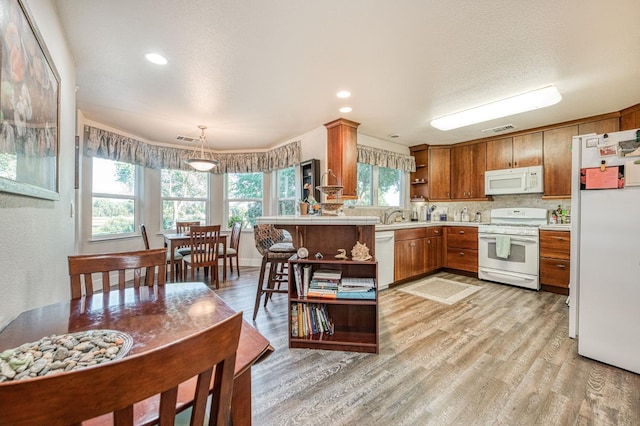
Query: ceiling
x=259, y=73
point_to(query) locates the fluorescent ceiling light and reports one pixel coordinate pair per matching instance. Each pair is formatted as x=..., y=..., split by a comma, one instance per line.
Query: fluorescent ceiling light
x=528, y=101
x=344, y=94
x=156, y=58
x=345, y=109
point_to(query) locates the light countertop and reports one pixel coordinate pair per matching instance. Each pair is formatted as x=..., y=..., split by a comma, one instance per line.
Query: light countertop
x=556, y=227
x=408, y=225
x=319, y=220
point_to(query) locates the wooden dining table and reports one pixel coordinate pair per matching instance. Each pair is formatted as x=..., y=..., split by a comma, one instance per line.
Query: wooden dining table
x=174, y=241
x=152, y=316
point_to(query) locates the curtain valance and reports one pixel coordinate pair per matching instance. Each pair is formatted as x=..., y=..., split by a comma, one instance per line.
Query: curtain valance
x=384, y=158
x=113, y=146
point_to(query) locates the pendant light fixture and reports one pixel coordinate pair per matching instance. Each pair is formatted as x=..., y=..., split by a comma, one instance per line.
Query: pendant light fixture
x=202, y=164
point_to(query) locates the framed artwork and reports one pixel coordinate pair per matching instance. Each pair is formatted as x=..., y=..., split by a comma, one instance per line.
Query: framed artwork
x=29, y=107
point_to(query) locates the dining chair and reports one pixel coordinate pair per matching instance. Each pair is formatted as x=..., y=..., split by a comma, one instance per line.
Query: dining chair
x=273, y=244
x=204, y=247
x=234, y=247
x=183, y=227
x=115, y=386
x=82, y=268
x=177, y=257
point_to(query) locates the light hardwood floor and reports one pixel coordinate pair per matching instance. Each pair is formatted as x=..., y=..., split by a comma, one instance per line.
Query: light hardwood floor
x=499, y=357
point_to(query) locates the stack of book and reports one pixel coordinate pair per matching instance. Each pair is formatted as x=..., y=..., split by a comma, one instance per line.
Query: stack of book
x=324, y=283
x=357, y=288
x=309, y=319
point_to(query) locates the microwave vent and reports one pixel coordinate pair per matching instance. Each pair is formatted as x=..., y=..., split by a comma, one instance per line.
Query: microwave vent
x=185, y=138
x=499, y=129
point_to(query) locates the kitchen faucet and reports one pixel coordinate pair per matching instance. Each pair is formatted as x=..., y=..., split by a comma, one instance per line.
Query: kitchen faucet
x=390, y=212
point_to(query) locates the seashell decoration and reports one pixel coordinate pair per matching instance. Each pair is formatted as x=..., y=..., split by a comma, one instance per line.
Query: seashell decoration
x=360, y=252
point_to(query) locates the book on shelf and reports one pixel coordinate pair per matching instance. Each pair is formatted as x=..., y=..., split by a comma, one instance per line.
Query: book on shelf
x=320, y=292
x=313, y=319
x=361, y=294
x=358, y=282
x=297, y=279
x=294, y=320
x=324, y=284
x=306, y=278
x=330, y=274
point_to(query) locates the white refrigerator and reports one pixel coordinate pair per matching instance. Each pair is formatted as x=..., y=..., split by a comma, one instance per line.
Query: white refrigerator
x=605, y=248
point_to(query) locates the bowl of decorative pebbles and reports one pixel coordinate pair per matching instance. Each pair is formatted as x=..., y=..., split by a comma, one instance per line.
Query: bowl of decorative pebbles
x=59, y=353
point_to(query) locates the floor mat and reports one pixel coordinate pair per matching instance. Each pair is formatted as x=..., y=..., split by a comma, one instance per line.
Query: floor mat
x=440, y=290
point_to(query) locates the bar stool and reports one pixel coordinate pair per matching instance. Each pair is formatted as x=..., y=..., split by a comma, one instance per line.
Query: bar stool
x=275, y=250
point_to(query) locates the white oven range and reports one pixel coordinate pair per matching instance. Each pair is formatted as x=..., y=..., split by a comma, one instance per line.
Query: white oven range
x=508, y=246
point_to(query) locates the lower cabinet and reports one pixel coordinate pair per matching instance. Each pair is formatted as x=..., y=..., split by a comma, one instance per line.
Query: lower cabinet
x=434, y=245
x=555, y=255
x=409, y=255
x=462, y=248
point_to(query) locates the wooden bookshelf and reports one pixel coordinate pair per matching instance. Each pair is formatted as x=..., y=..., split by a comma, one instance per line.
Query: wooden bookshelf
x=355, y=321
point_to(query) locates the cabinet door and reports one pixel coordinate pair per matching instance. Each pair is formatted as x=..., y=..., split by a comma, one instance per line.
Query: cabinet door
x=460, y=172
x=409, y=258
x=342, y=155
x=527, y=150
x=478, y=161
x=439, y=173
x=500, y=154
x=607, y=125
x=557, y=161
x=435, y=253
x=630, y=118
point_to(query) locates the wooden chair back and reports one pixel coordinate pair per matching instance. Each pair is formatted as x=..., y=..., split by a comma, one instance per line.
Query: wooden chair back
x=113, y=387
x=184, y=226
x=204, y=245
x=82, y=268
x=234, y=241
x=145, y=238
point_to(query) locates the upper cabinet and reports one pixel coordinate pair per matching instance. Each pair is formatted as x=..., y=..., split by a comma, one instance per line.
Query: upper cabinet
x=439, y=173
x=468, y=164
x=630, y=118
x=600, y=126
x=518, y=151
x=557, y=161
x=420, y=178
x=342, y=155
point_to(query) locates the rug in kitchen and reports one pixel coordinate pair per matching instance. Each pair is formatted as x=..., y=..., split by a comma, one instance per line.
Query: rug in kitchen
x=440, y=290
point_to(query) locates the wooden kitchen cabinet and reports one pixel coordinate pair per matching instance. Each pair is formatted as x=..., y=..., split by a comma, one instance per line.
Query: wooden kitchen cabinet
x=607, y=125
x=630, y=118
x=518, y=151
x=555, y=256
x=557, y=161
x=409, y=253
x=462, y=248
x=439, y=173
x=420, y=178
x=468, y=164
x=342, y=155
x=434, y=248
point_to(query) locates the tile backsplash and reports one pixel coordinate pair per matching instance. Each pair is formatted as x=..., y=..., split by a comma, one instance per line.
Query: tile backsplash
x=484, y=207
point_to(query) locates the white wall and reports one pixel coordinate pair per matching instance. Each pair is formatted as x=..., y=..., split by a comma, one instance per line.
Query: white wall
x=37, y=235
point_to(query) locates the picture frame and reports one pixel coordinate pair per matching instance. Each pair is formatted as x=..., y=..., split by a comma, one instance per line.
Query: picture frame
x=29, y=107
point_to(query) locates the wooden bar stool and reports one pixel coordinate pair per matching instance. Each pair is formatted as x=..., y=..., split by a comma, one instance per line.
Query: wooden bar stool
x=276, y=251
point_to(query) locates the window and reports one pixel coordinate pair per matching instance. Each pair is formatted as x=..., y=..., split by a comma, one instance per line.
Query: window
x=185, y=197
x=114, y=198
x=377, y=186
x=244, y=193
x=286, y=191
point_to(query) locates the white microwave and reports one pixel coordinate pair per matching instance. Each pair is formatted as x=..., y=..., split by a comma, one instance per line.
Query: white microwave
x=523, y=180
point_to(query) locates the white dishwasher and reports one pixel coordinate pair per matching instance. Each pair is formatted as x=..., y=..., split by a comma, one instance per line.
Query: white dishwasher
x=384, y=255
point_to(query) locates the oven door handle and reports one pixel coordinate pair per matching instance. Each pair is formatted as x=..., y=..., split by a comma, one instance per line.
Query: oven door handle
x=513, y=238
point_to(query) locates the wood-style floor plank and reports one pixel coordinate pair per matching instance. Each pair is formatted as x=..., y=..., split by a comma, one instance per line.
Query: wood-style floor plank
x=500, y=357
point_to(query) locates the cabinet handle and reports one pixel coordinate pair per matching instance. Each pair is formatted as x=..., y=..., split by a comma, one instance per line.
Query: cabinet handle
x=460, y=232
x=461, y=253
x=560, y=266
x=428, y=241
x=560, y=238
x=436, y=232
x=515, y=164
x=412, y=244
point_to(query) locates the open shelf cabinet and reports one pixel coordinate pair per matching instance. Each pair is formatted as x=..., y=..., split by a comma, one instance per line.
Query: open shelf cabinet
x=355, y=321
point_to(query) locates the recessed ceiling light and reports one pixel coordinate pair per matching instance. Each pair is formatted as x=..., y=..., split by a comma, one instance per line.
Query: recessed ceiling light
x=345, y=109
x=344, y=94
x=156, y=58
x=528, y=101
x=393, y=135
